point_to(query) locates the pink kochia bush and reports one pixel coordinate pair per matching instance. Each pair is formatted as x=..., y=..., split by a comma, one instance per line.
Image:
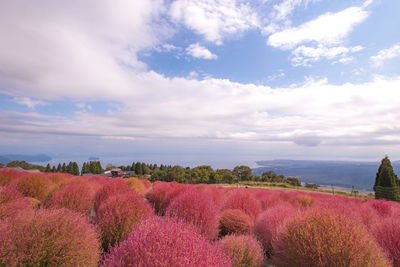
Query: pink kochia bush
x=77, y=197
x=118, y=216
x=49, y=238
x=270, y=223
x=244, y=250
x=243, y=199
x=166, y=242
x=34, y=185
x=387, y=234
x=326, y=238
x=235, y=221
x=12, y=202
x=112, y=188
x=198, y=208
x=157, y=195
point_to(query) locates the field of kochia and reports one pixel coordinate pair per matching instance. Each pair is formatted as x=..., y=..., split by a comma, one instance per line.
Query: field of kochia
x=58, y=219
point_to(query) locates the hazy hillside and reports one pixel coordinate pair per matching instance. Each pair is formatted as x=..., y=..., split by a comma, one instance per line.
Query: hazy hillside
x=338, y=173
x=28, y=158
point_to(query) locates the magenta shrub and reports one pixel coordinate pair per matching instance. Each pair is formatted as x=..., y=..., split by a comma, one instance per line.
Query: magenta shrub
x=387, y=234
x=235, y=221
x=112, y=188
x=196, y=207
x=326, y=238
x=244, y=250
x=242, y=199
x=12, y=202
x=8, y=176
x=34, y=185
x=382, y=207
x=136, y=185
x=118, y=216
x=270, y=223
x=49, y=238
x=268, y=198
x=157, y=195
x=75, y=196
x=166, y=242
x=9, y=193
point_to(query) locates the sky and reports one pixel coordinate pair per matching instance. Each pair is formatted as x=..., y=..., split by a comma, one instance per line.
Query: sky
x=201, y=80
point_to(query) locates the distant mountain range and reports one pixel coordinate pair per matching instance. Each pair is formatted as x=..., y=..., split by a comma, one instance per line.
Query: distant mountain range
x=28, y=158
x=361, y=175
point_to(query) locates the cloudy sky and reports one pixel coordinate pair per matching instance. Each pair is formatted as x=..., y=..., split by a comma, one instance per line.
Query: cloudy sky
x=262, y=79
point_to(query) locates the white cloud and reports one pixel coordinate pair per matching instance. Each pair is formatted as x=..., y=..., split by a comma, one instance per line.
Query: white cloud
x=315, y=113
x=29, y=102
x=198, y=51
x=82, y=48
x=304, y=55
x=214, y=19
x=327, y=29
x=385, y=54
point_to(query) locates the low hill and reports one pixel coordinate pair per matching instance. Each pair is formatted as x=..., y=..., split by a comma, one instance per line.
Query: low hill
x=361, y=175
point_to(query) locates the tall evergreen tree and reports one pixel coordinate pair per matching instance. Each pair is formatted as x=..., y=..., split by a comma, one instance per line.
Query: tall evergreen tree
x=75, y=169
x=59, y=168
x=138, y=168
x=64, y=167
x=386, y=182
x=48, y=168
x=53, y=169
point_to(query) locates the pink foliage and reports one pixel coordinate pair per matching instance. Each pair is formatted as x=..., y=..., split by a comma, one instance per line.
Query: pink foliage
x=268, y=198
x=8, y=176
x=235, y=221
x=49, y=238
x=136, y=185
x=196, y=207
x=326, y=238
x=34, y=185
x=387, y=234
x=9, y=193
x=244, y=250
x=112, y=188
x=119, y=215
x=12, y=202
x=270, y=223
x=166, y=242
x=157, y=195
x=243, y=199
x=382, y=207
x=77, y=197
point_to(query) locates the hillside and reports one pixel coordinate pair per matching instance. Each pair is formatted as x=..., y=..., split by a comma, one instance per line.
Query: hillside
x=361, y=175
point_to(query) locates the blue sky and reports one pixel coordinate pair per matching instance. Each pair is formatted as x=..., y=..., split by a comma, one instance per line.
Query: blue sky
x=262, y=79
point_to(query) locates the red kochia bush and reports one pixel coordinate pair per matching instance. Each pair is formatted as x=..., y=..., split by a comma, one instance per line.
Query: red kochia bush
x=270, y=223
x=34, y=185
x=242, y=199
x=77, y=197
x=382, y=207
x=157, y=195
x=325, y=238
x=49, y=238
x=235, y=221
x=244, y=250
x=8, y=175
x=114, y=187
x=136, y=185
x=9, y=193
x=166, y=242
x=12, y=202
x=198, y=208
x=119, y=215
x=387, y=234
